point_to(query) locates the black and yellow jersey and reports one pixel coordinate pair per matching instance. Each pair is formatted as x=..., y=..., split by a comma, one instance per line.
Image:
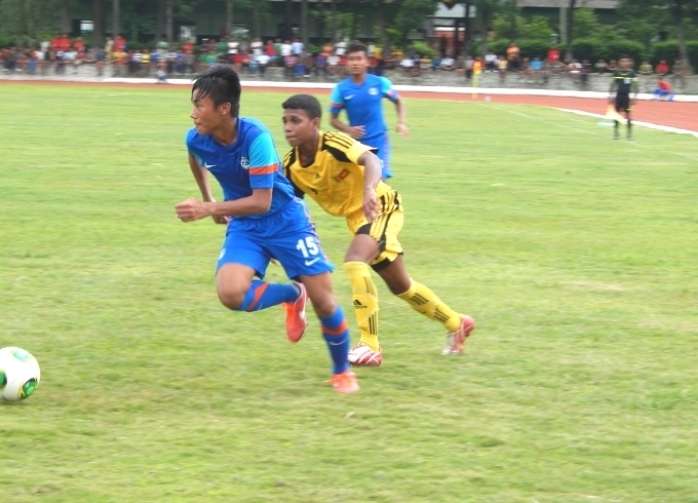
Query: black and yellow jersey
x=624, y=81
x=335, y=179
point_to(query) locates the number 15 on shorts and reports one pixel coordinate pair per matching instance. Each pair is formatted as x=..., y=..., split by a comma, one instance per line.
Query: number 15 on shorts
x=310, y=249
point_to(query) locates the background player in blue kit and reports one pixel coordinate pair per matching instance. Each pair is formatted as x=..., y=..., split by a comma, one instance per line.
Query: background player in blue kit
x=361, y=95
x=265, y=219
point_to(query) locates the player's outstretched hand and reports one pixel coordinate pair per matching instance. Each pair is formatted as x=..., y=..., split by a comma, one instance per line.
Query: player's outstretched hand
x=357, y=132
x=191, y=209
x=402, y=129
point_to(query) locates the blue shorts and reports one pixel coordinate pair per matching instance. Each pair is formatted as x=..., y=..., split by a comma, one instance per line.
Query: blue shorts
x=663, y=92
x=383, y=146
x=287, y=236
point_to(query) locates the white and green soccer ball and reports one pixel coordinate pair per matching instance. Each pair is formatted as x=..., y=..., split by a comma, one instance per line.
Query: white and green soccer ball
x=19, y=374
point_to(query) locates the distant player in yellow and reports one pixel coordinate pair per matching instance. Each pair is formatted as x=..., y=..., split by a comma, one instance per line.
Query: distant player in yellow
x=344, y=177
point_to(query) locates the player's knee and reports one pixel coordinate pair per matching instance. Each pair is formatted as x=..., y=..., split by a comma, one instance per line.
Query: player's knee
x=231, y=297
x=398, y=285
x=324, y=305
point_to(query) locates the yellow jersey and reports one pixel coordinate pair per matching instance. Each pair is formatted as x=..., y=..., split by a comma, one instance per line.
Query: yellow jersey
x=335, y=179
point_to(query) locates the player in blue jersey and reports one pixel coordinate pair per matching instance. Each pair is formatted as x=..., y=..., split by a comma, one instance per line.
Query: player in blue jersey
x=265, y=220
x=361, y=95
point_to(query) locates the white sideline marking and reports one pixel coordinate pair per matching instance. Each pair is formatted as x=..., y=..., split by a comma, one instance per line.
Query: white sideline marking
x=403, y=87
x=468, y=90
x=400, y=87
x=650, y=125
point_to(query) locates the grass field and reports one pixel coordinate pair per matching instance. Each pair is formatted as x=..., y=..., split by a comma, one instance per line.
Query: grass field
x=577, y=255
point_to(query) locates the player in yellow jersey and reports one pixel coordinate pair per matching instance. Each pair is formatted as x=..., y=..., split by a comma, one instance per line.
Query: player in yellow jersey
x=344, y=177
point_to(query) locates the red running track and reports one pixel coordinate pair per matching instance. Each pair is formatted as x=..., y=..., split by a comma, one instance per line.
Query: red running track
x=682, y=115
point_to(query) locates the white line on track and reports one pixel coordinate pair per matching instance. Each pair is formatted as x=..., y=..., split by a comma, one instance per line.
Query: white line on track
x=659, y=127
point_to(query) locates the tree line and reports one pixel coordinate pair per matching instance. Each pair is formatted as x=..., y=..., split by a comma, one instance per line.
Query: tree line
x=643, y=28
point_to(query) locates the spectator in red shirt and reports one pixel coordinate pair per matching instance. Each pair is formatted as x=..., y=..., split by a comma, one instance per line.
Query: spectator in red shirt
x=60, y=43
x=553, y=55
x=188, y=47
x=79, y=46
x=119, y=43
x=662, y=68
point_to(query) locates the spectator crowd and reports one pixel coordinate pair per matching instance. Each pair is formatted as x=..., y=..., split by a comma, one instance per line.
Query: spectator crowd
x=64, y=55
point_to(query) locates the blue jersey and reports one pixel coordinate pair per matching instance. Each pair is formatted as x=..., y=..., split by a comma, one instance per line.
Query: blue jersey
x=249, y=163
x=364, y=106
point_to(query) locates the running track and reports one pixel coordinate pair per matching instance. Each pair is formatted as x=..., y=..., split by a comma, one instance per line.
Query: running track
x=682, y=115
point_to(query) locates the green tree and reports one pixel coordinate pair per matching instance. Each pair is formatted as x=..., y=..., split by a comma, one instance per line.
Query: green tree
x=116, y=18
x=25, y=21
x=537, y=28
x=586, y=25
x=411, y=15
x=98, y=17
x=232, y=8
x=506, y=25
x=680, y=11
x=383, y=9
x=485, y=11
x=304, y=22
x=675, y=18
x=169, y=21
x=570, y=26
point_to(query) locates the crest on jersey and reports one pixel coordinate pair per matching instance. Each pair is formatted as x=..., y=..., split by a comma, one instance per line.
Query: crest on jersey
x=373, y=91
x=244, y=162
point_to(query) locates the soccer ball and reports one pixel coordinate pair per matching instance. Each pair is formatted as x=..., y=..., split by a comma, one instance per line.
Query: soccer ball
x=19, y=374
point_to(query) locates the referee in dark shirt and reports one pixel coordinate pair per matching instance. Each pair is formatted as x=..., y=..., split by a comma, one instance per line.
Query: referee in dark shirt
x=623, y=82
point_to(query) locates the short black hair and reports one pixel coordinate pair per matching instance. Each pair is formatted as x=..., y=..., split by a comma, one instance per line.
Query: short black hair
x=309, y=104
x=356, y=46
x=222, y=84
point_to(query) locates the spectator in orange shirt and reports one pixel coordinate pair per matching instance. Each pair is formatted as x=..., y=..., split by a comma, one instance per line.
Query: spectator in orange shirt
x=477, y=71
x=663, y=90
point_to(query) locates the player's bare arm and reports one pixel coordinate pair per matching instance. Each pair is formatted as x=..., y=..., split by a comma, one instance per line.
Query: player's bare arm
x=356, y=132
x=372, y=175
x=401, y=127
x=257, y=203
x=201, y=177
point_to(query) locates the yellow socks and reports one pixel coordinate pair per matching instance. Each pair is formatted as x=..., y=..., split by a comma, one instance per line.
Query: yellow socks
x=423, y=300
x=365, y=300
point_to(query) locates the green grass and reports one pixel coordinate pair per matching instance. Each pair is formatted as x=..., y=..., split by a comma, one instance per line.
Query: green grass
x=576, y=254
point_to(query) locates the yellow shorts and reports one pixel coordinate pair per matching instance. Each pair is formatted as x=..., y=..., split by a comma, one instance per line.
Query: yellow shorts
x=384, y=229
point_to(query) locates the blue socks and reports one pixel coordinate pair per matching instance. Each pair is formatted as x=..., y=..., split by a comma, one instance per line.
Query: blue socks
x=262, y=295
x=336, y=333
x=335, y=330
